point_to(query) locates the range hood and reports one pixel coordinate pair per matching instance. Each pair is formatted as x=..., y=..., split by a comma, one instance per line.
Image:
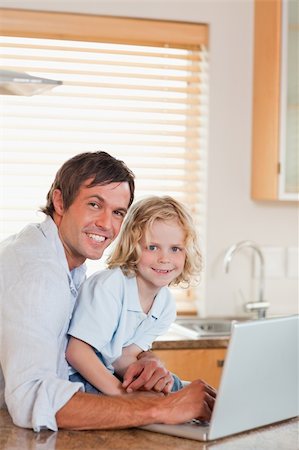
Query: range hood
x=18, y=83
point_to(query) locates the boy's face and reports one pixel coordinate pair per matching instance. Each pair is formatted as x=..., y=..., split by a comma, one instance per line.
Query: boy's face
x=163, y=255
x=92, y=221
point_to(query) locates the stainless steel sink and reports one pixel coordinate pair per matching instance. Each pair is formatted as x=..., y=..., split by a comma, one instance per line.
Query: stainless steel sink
x=196, y=327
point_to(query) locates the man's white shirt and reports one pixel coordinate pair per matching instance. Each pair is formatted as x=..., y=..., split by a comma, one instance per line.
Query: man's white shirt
x=37, y=297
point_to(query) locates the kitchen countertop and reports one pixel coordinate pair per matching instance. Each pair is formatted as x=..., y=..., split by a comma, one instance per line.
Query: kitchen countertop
x=178, y=338
x=179, y=343
x=280, y=436
x=175, y=340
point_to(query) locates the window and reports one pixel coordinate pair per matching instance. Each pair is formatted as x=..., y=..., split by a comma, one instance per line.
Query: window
x=134, y=88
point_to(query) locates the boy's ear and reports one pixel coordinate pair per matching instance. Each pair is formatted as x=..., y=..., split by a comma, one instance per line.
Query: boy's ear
x=58, y=201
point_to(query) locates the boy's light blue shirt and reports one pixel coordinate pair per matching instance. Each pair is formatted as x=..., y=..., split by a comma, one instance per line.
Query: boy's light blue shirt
x=37, y=297
x=108, y=315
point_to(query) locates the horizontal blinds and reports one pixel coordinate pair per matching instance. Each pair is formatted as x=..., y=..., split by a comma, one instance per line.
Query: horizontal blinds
x=145, y=105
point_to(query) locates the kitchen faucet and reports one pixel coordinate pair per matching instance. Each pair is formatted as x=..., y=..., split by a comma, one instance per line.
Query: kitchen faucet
x=261, y=305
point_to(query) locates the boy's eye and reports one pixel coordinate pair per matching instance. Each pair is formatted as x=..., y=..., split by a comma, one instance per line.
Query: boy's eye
x=176, y=249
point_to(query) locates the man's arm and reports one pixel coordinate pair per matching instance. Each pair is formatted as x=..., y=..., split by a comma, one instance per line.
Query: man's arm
x=88, y=411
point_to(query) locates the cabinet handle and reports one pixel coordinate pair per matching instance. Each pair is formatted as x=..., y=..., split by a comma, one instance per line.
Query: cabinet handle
x=220, y=362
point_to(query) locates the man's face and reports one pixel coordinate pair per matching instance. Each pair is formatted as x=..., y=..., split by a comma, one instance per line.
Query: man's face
x=92, y=221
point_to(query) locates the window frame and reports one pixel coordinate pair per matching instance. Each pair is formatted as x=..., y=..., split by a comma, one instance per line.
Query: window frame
x=94, y=28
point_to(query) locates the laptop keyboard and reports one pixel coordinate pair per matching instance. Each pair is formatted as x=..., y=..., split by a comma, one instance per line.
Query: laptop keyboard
x=201, y=423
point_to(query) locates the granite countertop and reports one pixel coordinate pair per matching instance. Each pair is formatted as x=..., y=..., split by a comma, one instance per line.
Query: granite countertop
x=280, y=436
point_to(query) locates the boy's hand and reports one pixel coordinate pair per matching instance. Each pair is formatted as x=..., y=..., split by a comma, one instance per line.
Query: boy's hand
x=147, y=373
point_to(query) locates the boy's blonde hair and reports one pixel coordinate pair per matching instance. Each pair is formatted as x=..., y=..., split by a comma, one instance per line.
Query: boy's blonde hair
x=138, y=222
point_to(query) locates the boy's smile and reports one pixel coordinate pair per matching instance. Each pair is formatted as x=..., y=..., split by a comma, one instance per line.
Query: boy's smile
x=163, y=256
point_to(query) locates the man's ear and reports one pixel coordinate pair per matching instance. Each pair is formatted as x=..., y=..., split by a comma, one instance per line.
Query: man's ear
x=58, y=202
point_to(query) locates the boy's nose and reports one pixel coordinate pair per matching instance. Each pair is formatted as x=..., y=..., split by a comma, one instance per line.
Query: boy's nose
x=164, y=256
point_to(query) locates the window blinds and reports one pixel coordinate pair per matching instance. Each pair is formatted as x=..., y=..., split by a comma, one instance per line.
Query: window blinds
x=144, y=104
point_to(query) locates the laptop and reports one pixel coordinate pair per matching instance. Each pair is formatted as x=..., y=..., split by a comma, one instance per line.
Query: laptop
x=259, y=383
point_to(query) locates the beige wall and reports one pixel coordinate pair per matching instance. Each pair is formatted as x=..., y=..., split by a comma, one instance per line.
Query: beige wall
x=231, y=214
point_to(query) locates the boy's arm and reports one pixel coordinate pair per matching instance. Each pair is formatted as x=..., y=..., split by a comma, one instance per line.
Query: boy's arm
x=84, y=359
x=128, y=356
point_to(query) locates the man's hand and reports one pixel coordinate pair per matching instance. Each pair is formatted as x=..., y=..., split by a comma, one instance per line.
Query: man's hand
x=194, y=401
x=147, y=373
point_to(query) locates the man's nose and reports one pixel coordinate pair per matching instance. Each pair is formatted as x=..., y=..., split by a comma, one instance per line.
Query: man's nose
x=104, y=220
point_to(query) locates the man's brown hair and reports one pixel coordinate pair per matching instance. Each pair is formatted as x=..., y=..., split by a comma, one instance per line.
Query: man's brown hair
x=101, y=167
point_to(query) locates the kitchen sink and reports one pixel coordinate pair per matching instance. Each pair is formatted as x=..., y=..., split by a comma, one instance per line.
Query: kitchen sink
x=197, y=327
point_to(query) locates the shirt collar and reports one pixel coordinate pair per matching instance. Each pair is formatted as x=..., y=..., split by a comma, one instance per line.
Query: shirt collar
x=134, y=303
x=158, y=305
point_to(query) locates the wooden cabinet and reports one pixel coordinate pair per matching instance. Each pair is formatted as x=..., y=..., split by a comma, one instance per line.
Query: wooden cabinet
x=191, y=364
x=275, y=139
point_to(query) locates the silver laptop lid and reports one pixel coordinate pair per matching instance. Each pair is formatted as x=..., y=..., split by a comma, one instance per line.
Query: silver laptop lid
x=259, y=383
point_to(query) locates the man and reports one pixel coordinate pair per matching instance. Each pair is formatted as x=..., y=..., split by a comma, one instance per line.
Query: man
x=41, y=270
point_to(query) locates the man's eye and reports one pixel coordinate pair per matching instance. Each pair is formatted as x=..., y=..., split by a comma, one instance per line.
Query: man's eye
x=120, y=214
x=94, y=205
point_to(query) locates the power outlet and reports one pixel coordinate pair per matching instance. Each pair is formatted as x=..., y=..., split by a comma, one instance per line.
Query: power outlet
x=292, y=262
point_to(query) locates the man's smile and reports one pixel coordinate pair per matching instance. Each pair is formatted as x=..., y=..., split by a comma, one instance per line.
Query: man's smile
x=96, y=237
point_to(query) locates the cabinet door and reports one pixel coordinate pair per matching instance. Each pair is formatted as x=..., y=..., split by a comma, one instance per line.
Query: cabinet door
x=289, y=102
x=275, y=136
x=192, y=364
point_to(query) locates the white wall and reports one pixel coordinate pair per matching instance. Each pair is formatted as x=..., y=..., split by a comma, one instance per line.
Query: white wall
x=231, y=215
